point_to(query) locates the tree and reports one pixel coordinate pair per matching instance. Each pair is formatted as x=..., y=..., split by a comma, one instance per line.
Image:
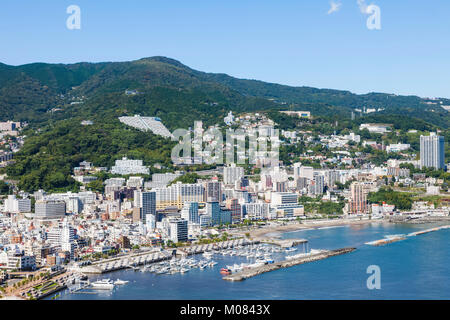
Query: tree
x=4, y=188
x=402, y=200
x=96, y=185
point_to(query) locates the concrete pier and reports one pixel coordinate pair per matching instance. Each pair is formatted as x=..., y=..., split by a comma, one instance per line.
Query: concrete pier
x=143, y=258
x=285, y=264
x=196, y=249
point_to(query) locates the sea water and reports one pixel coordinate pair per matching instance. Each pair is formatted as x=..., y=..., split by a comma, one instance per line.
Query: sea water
x=415, y=268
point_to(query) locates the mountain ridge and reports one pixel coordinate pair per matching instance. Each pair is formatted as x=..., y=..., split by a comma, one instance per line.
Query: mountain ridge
x=55, y=99
x=28, y=91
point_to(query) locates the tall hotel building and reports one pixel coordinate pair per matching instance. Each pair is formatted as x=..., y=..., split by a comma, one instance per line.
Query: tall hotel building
x=432, y=151
x=177, y=194
x=147, y=204
x=49, y=209
x=358, y=202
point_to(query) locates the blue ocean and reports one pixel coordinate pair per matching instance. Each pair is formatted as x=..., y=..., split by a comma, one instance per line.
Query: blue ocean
x=415, y=268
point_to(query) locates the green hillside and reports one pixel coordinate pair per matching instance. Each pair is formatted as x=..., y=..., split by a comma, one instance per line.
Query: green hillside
x=54, y=99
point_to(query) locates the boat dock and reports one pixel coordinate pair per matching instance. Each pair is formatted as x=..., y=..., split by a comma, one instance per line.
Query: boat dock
x=143, y=258
x=82, y=285
x=216, y=246
x=127, y=261
x=300, y=259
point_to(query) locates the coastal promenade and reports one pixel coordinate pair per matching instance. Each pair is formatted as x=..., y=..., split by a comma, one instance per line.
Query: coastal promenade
x=303, y=258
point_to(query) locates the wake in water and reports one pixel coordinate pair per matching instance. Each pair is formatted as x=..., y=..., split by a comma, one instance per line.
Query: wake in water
x=331, y=227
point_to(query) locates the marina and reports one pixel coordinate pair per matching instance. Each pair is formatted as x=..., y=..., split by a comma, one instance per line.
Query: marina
x=340, y=277
x=140, y=261
x=255, y=255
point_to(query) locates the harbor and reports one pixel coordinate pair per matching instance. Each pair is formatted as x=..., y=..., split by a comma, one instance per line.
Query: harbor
x=201, y=258
x=136, y=260
x=339, y=278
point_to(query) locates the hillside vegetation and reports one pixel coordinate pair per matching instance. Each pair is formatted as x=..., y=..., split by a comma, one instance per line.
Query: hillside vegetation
x=55, y=98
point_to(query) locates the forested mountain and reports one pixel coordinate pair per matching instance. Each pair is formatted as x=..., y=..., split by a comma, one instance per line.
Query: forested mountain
x=55, y=98
x=28, y=92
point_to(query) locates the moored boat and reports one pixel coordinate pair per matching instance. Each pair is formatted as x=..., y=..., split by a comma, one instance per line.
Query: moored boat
x=106, y=284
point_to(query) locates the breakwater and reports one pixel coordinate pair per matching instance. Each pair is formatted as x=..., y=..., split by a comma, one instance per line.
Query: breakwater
x=395, y=238
x=245, y=274
x=284, y=243
x=417, y=233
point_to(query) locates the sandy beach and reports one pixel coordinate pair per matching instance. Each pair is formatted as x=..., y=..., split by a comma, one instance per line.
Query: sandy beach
x=271, y=231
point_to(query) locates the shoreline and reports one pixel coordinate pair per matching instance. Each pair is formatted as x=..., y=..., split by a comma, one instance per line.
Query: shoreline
x=269, y=232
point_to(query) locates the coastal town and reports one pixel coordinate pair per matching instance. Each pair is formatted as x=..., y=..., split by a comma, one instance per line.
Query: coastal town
x=125, y=216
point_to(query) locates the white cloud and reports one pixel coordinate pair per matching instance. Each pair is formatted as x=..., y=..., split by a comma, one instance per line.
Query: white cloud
x=334, y=7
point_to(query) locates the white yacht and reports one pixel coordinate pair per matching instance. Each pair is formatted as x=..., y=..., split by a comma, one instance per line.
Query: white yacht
x=107, y=284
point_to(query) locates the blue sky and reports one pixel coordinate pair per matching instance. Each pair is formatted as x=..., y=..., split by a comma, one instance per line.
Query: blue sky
x=283, y=41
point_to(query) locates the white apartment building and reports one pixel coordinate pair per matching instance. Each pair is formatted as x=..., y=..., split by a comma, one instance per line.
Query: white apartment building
x=286, y=203
x=432, y=151
x=397, y=147
x=190, y=212
x=127, y=166
x=232, y=173
x=256, y=211
x=178, y=229
x=178, y=194
x=50, y=209
x=14, y=205
x=152, y=124
x=135, y=182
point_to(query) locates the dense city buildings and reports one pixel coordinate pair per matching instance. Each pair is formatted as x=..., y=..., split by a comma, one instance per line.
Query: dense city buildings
x=329, y=177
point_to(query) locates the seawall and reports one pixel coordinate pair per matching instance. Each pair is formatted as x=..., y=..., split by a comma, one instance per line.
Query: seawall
x=285, y=264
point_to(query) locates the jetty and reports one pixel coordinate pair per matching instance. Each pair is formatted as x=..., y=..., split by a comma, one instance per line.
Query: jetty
x=417, y=233
x=401, y=237
x=387, y=240
x=300, y=259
